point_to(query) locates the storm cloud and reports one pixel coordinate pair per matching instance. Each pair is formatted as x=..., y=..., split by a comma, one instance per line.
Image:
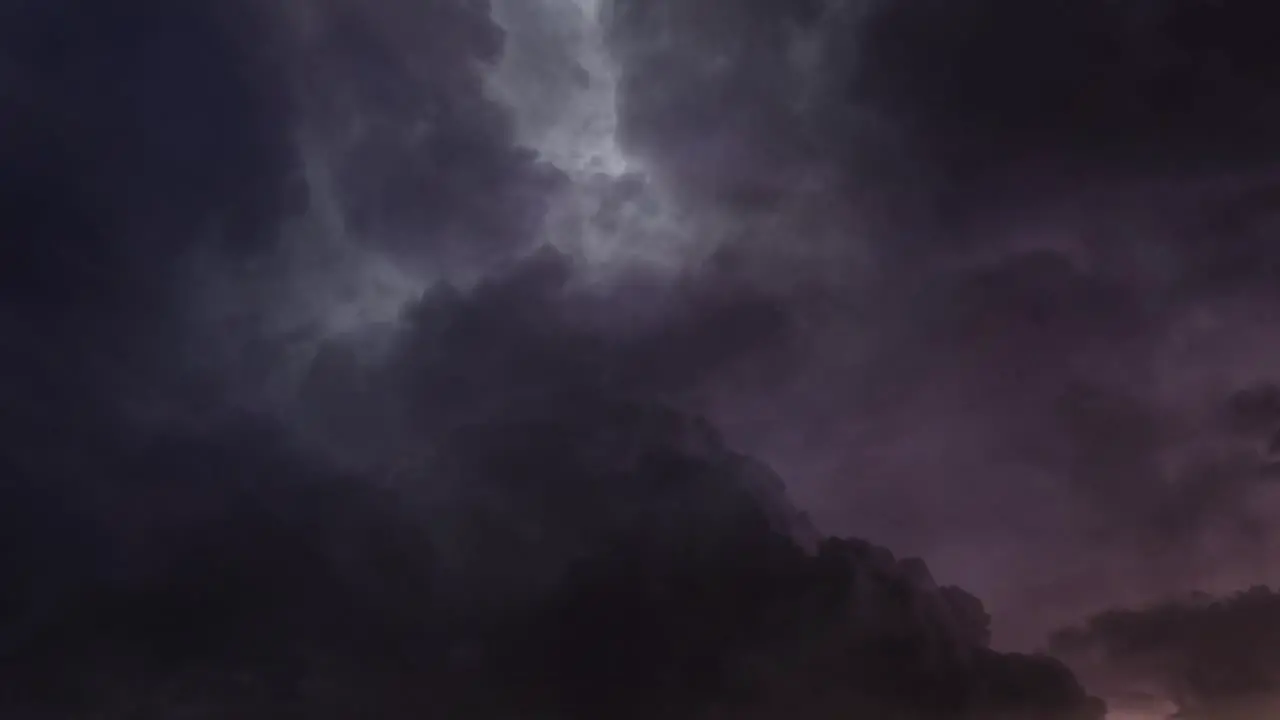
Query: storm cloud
x=986, y=283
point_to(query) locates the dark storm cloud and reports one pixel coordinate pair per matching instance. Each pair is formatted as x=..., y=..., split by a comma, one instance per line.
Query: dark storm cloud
x=558, y=562
x=149, y=117
x=1210, y=655
x=966, y=318
x=129, y=130
x=968, y=99
x=266, y=153
x=944, y=299
x=142, y=138
x=422, y=161
x=1090, y=87
x=506, y=430
x=743, y=107
x=527, y=337
x=1029, y=247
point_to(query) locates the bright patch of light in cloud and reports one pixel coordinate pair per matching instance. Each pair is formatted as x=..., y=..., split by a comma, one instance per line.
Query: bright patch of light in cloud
x=561, y=83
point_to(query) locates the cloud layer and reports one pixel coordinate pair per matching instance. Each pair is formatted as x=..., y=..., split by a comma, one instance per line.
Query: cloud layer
x=987, y=285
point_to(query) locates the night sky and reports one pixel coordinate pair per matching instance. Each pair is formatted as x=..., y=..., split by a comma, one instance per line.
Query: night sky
x=991, y=283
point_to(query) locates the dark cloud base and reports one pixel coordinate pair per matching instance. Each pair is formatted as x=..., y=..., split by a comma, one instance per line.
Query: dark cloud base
x=1214, y=656
x=555, y=544
x=607, y=559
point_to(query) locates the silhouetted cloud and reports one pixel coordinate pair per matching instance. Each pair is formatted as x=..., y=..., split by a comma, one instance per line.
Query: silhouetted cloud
x=593, y=556
x=1214, y=657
